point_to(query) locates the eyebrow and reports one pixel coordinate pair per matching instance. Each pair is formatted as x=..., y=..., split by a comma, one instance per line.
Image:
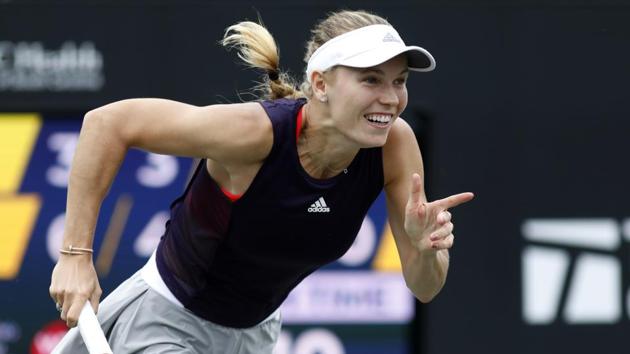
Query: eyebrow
x=379, y=71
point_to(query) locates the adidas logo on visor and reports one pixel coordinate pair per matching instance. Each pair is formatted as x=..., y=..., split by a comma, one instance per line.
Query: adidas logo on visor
x=319, y=206
x=390, y=38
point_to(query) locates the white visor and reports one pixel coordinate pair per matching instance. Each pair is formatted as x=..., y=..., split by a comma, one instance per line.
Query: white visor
x=365, y=47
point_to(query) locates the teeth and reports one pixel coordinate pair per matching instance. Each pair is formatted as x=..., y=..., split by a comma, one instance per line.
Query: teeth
x=380, y=118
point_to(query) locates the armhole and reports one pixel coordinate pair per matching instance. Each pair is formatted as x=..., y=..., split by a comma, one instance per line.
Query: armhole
x=202, y=163
x=298, y=127
x=234, y=197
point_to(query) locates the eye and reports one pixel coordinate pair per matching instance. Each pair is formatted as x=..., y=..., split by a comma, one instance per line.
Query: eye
x=372, y=80
x=400, y=81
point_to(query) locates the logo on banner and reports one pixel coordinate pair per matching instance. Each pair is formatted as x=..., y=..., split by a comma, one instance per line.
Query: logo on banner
x=30, y=67
x=48, y=337
x=570, y=271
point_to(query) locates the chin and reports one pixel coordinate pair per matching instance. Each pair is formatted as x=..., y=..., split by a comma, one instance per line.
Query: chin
x=373, y=142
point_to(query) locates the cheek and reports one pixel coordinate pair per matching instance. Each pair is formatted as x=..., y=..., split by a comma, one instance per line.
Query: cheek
x=353, y=99
x=403, y=99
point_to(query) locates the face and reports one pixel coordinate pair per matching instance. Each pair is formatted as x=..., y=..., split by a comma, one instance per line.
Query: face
x=365, y=102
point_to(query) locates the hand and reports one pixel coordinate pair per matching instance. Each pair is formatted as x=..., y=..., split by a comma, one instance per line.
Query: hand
x=429, y=224
x=74, y=281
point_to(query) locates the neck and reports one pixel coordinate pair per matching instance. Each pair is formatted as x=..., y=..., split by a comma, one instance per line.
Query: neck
x=323, y=151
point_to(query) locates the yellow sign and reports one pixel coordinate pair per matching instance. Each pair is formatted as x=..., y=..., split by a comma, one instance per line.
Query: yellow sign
x=18, y=213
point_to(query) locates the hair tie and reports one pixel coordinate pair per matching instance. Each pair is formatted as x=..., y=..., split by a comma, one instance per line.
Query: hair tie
x=273, y=75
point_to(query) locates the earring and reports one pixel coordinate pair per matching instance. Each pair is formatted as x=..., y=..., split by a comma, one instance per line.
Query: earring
x=324, y=98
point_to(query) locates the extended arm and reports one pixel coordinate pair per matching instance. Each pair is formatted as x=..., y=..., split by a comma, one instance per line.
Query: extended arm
x=230, y=134
x=422, y=230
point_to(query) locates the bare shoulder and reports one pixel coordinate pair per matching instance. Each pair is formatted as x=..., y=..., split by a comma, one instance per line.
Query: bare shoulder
x=229, y=133
x=248, y=116
x=401, y=153
x=248, y=113
x=246, y=132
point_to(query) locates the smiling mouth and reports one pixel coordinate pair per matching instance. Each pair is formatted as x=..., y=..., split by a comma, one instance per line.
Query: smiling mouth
x=379, y=120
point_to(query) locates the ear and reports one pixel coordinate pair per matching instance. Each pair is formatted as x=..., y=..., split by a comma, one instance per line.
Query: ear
x=319, y=85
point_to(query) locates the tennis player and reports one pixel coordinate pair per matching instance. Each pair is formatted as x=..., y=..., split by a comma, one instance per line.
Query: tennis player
x=282, y=189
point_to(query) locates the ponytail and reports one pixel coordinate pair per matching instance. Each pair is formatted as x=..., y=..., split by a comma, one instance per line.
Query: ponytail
x=257, y=48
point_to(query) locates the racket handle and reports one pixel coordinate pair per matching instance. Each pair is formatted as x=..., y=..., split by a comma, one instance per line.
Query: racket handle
x=91, y=332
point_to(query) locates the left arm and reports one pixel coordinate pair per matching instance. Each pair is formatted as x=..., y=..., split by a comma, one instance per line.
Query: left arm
x=423, y=231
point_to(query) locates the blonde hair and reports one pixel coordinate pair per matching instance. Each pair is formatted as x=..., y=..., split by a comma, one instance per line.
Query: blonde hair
x=257, y=48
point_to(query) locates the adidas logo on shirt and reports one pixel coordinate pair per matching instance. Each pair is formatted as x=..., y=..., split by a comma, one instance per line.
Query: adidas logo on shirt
x=319, y=206
x=390, y=38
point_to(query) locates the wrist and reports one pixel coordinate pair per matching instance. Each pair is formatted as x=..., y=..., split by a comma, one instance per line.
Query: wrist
x=424, y=254
x=82, y=261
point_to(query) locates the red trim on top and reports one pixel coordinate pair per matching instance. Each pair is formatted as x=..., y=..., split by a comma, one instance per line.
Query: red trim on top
x=232, y=197
x=298, y=128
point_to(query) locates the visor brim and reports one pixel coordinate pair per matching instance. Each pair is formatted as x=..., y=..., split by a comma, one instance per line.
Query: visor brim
x=418, y=58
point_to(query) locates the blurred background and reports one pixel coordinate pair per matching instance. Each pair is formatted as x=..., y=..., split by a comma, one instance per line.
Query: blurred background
x=529, y=108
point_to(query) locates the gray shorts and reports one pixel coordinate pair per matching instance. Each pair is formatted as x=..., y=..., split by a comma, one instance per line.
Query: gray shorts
x=136, y=319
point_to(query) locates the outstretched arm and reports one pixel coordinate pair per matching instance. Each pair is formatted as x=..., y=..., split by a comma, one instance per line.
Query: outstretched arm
x=423, y=231
x=229, y=134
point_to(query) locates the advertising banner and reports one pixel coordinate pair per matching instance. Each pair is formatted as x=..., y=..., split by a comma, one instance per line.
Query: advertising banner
x=358, y=304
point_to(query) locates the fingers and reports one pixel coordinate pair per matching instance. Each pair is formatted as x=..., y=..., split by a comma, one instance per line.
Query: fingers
x=444, y=217
x=94, y=300
x=57, y=297
x=454, y=200
x=442, y=232
x=70, y=306
x=64, y=310
x=443, y=237
x=72, y=310
x=444, y=244
x=52, y=293
x=54, y=297
x=74, y=281
x=72, y=317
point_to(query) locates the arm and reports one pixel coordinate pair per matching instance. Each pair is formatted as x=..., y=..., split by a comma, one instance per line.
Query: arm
x=422, y=231
x=237, y=134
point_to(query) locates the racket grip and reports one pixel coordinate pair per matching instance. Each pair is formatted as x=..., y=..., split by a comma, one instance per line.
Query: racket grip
x=91, y=332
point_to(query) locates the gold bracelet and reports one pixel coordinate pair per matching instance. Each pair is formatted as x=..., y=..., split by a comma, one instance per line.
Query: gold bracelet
x=76, y=250
x=62, y=251
x=79, y=249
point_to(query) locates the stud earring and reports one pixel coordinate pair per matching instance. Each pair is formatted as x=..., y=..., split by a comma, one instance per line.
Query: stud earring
x=324, y=98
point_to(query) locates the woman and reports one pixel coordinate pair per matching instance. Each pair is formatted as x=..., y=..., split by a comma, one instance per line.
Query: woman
x=282, y=189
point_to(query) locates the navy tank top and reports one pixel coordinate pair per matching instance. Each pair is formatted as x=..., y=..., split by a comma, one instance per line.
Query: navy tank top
x=234, y=263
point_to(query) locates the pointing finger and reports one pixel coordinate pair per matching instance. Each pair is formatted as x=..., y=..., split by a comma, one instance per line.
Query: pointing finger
x=455, y=200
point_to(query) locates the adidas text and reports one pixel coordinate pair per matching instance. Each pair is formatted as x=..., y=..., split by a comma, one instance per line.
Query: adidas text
x=319, y=206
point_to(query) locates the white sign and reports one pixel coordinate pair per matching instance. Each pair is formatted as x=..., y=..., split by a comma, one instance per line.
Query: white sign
x=30, y=67
x=594, y=293
x=350, y=297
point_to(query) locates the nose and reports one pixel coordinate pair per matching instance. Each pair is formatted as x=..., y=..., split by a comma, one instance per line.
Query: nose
x=389, y=96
